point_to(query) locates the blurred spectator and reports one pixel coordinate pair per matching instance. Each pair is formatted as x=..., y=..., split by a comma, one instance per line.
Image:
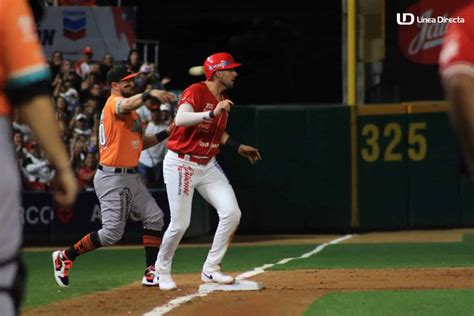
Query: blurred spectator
x=96, y=93
x=92, y=144
x=144, y=112
x=151, y=160
x=81, y=125
x=63, y=125
x=92, y=114
x=19, y=125
x=66, y=90
x=61, y=108
x=133, y=61
x=55, y=63
x=20, y=150
x=150, y=76
x=93, y=77
x=166, y=113
x=83, y=65
x=78, y=151
x=36, y=169
x=106, y=64
x=85, y=173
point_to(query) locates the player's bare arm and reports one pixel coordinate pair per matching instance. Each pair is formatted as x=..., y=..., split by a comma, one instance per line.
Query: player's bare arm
x=460, y=94
x=249, y=152
x=130, y=104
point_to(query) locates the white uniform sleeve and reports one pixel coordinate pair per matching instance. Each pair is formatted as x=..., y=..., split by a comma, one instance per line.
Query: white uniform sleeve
x=35, y=167
x=187, y=117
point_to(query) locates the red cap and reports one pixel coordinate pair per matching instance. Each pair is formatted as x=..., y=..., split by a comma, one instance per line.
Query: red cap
x=218, y=61
x=87, y=50
x=31, y=144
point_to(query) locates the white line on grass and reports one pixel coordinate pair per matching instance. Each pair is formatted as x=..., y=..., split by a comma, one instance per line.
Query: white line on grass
x=161, y=310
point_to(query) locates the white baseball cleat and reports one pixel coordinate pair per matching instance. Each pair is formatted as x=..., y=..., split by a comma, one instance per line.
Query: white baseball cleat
x=150, y=277
x=61, y=265
x=166, y=282
x=216, y=277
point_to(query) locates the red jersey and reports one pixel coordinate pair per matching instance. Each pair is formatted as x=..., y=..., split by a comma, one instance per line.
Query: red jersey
x=457, y=52
x=202, y=139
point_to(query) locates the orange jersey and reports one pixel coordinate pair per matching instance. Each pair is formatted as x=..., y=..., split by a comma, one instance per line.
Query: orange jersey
x=120, y=136
x=21, y=57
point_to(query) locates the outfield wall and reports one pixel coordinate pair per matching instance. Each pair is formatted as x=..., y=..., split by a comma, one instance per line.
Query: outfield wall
x=325, y=168
x=403, y=159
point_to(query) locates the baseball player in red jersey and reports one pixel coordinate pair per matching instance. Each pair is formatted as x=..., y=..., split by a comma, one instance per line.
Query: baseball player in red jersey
x=190, y=165
x=456, y=63
x=117, y=183
x=24, y=82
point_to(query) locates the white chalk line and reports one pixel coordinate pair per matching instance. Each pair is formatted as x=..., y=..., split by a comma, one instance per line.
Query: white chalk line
x=163, y=309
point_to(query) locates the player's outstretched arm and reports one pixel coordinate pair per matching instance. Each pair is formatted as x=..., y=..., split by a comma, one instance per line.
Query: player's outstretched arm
x=130, y=104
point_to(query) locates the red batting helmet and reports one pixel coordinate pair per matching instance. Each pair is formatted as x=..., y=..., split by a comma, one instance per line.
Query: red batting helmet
x=218, y=61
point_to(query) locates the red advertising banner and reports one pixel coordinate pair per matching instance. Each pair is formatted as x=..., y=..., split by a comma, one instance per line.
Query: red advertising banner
x=422, y=25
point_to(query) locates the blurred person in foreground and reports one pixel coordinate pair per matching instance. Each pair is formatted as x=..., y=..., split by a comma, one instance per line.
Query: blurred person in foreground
x=456, y=63
x=24, y=82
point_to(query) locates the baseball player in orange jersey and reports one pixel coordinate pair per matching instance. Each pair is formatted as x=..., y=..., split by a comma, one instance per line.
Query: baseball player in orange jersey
x=117, y=183
x=456, y=62
x=24, y=82
x=190, y=164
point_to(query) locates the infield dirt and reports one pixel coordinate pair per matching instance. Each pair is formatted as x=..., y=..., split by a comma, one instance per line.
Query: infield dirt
x=285, y=292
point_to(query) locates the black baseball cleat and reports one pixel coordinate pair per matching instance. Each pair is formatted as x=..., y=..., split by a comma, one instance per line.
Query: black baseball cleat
x=62, y=265
x=150, y=277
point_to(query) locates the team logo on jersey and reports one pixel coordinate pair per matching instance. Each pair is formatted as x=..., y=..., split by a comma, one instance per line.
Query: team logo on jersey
x=208, y=107
x=135, y=144
x=136, y=127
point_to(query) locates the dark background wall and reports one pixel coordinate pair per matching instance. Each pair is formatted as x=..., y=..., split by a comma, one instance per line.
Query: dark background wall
x=291, y=51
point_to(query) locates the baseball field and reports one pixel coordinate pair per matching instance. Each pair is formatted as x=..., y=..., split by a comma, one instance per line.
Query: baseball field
x=427, y=272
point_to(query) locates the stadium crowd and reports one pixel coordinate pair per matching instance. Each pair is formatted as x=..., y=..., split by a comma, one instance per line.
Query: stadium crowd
x=80, y=89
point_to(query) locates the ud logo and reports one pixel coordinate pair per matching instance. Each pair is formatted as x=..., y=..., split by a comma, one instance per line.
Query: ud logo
x=405, y=18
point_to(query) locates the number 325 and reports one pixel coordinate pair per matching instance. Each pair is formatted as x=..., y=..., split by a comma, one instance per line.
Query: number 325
x=416, y=141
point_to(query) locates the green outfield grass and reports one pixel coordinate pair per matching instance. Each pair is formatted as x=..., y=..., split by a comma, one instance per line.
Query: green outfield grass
x=390, y=255
x=113, y=267
x=395, y=303
x=105, y=269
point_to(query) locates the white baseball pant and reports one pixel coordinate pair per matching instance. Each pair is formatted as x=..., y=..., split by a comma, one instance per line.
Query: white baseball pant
x=182, y=177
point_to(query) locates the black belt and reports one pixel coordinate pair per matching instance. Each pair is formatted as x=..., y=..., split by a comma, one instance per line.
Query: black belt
x=117, y=170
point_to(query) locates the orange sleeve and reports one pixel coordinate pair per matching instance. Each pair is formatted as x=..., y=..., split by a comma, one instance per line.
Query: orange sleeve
x=22, y=56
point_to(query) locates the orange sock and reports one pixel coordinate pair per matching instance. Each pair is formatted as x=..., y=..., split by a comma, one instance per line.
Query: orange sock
x=88, y=243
